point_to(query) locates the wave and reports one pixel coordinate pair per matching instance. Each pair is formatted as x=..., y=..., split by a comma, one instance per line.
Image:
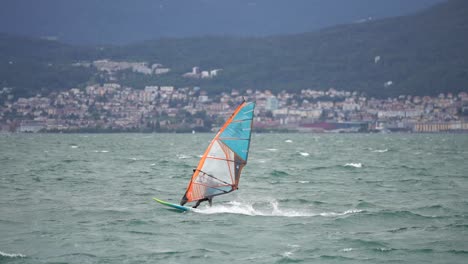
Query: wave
x=364, y=204
x=401, y=214
x=380, y=150
x=339, y=258
x=78, y=254
x=355, y=165
x=182, y=156
x=300, y=201
x=272, y=209
x=11, y=255
x=358, y=243
x=279, y=173
x=303, y=182
x=321, y=168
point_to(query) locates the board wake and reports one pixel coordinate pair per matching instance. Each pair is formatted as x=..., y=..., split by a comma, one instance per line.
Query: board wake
x=174, y=206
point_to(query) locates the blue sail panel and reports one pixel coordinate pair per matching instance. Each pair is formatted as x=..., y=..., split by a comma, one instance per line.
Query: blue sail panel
x=237, y=130
x=239, y=146
x=246, y=112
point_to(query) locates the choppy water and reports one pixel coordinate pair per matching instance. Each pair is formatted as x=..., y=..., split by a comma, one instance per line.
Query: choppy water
x=303, y=198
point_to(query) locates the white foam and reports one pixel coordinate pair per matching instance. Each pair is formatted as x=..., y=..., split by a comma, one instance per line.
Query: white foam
x=380, y=150
x=73, y=146
x=101, y=151
x=12, y=255
x=347, y=249
x=288, y=141
x=385, y=249
x=245, y=208
x=355, y=165
x=305, y=154
x=352, y=211
x=272, y=149
x=182, y=156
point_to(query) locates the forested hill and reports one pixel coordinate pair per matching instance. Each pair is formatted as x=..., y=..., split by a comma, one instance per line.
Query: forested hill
x=424, y=53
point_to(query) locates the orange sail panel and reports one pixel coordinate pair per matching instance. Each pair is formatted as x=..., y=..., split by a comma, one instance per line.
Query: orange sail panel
x=219, y=169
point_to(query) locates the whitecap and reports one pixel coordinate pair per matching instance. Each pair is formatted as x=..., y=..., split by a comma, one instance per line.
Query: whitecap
x=385, y=249
x=101, y=151
x=182, y=156
x=12, y=255
x=380, y=150
x=288, y=141
x=355, y=165
x=352, y=211
x=244, y=208
x=272, y=149
x=347, y=249
x=305, y=154
x=73, y=146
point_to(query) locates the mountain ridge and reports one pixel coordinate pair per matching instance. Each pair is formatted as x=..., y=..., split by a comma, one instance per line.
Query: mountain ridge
x=419, y=54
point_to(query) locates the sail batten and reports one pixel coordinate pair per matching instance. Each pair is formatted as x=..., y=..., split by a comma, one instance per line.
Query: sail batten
x=219, y=169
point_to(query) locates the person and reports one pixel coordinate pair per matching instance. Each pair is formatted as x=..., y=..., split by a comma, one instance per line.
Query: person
x=209, y=199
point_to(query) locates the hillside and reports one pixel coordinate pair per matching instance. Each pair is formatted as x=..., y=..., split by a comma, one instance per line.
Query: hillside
x=33, y=66
x=421, y=54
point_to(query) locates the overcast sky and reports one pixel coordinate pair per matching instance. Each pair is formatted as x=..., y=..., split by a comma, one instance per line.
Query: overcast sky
x=127, y=21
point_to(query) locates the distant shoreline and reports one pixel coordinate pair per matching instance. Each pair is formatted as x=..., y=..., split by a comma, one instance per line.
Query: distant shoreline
x=256, y=132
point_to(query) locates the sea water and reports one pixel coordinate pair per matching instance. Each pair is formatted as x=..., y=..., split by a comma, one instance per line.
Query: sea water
x=303, y=198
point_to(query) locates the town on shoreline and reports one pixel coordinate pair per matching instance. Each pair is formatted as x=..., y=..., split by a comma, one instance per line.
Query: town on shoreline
x=111, y=107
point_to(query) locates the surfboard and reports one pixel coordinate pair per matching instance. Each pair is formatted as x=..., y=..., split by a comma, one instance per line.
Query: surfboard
x=174, y=206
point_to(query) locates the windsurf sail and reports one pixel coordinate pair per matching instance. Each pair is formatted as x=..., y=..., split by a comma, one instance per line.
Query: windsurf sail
x=220, y=167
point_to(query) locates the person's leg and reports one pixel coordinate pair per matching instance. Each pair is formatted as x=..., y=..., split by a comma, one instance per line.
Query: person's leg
x=197, y=204
x=183, y=200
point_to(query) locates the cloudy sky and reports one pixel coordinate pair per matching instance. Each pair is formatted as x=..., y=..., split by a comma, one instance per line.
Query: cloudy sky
x=127, y=21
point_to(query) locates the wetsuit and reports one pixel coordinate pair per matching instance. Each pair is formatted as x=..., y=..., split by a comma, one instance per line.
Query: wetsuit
x=209, y=199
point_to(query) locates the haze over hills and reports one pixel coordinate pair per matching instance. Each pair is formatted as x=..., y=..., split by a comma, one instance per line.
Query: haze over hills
x=420, y=54
x=122, y=21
